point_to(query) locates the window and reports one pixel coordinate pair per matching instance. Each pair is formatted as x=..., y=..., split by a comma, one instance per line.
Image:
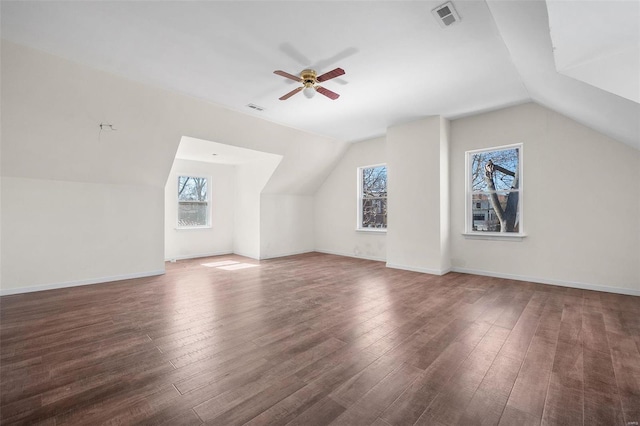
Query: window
x=193, y=202
x=494, y=191
x=372, y=197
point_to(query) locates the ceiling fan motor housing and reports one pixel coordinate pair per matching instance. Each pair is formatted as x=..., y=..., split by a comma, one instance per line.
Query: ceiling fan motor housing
x=308, y=78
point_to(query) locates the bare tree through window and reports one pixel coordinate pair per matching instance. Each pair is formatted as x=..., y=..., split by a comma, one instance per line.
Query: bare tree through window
x=495, y=189
x=193, y=201
x=373, y=197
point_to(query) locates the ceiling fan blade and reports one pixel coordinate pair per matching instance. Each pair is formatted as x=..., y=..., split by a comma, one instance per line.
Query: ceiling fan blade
x=291, y=93
x=331, y=74
x=328, y=93
x=287, y=75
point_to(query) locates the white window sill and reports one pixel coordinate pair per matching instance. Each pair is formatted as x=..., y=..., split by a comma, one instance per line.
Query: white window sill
x=496, y=236
x=372, y=230
x=192, y=228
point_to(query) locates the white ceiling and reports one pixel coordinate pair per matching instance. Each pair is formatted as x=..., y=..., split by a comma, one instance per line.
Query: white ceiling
x=212, y=152
x=611, y=61
x=400, y=64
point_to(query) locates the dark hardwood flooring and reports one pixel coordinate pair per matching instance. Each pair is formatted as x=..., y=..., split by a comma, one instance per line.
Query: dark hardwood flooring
x=319, y=339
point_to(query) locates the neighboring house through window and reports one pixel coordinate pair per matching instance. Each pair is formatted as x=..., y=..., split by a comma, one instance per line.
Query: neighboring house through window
x=494, y=190
x=193, y=202
x=372, y=197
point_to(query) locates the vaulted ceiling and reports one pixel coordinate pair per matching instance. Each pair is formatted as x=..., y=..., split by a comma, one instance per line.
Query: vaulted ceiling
x=400, y=63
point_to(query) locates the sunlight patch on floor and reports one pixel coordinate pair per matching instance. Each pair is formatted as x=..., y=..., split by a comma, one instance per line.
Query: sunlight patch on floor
x=228, y=265
x=238, y=266
x=220, y=263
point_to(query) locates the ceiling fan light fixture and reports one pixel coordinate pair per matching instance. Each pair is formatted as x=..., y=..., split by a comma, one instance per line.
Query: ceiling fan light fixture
x=309, y=92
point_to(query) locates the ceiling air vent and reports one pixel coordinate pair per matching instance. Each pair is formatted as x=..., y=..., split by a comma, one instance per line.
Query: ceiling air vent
x=256, y=107
x=445, y=14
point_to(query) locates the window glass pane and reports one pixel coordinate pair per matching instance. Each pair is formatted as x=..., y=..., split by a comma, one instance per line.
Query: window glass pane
x=192, y=188
x=374, y=182
x=193, y=208
x=192, y=214
x=499, y=166
x=486, y=217
x=373, y=197
x=494, y=187
x=374, y=212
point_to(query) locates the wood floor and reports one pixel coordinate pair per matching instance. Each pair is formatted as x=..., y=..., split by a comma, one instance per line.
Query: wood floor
x=319, y=339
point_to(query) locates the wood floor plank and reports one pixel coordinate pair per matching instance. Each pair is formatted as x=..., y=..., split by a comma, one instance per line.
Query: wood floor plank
x=292, y=406
x=360, y=384
x=530, y=388
x=316, y=339
x=410, y=405
x=488, y=402
x=564, y=405
x=523, y=331
x=512, y=416
x=337, y=363
x=240, y=413
x=174, y=415
x=603, y=409
x=369, y=407
x=321, y=413
x=425, y=355
x=448, y=406
x=626, y=364
x=602, y=403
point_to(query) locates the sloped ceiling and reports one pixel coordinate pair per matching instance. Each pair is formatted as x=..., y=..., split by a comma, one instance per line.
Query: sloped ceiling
x=525, y=30
x=587, y=47
x=400, y=64
x=194, y=149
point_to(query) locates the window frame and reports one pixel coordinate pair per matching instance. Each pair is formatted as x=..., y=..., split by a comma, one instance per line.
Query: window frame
x=208, y=200
x=359, y=198
x=469, y=203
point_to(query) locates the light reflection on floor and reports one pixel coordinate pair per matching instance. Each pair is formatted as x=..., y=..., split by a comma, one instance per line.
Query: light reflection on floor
x=229, y=265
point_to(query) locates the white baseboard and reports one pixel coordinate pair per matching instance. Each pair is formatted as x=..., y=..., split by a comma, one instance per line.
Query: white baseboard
x=53, y=286
x=245, y=255
x=293, y=253
x=415, y=269
x=197, y=256
x=561, y=283
x=337, y=253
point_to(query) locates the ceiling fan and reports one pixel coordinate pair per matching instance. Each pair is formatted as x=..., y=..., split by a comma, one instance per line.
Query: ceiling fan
x=310, y=80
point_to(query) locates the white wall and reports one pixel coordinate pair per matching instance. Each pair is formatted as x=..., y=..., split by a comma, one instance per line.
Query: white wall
x=581, y=202
x=416, y=183
x=218, y=239
x=445, y=195
x=57, y=233
x=336, y=206
x=251, y=179
x=582, y=195
x=51, y=109
x=286, y=225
